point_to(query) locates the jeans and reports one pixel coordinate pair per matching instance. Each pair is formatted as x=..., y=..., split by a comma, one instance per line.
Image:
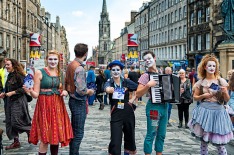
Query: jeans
x=78, y=116
x=105, y=99
x=169, y=110
x=91, y=99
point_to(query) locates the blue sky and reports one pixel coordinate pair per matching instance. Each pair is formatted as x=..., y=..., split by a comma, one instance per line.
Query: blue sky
x=81, y=18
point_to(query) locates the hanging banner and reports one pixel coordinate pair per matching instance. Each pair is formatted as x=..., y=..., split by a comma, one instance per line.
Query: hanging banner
x=35, y=39
x=132, y=40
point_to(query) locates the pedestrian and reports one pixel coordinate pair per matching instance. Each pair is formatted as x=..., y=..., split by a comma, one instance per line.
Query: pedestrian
x=231, y=90
x=4, y=74
x=51, y=124
x=191, y=75
x=157, y=114
x=91, y=83
x=168, y=70
x=185, y=99
x=107, y=74
x=210, y=122
x=75, y=84
x=100, y=81
x=133, y=76
x=125, y=73
x=122, y=111
x=18, y=119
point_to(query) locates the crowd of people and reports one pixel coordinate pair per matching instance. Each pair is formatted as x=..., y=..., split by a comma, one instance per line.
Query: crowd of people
x=122, y=89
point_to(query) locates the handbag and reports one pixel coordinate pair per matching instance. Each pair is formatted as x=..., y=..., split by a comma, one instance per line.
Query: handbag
x=29, y=98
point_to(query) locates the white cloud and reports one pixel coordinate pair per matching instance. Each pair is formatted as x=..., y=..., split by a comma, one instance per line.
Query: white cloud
x=78, y=13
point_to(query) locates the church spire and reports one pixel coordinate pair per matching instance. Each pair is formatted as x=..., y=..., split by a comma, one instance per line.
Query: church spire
x=104, y=9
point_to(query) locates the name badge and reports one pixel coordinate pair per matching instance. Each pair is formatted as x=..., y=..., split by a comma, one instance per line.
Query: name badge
x=120, y=105
x=118, y=93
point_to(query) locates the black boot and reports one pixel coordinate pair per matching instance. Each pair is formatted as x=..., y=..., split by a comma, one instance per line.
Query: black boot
x=180, y=124
x=102, y=105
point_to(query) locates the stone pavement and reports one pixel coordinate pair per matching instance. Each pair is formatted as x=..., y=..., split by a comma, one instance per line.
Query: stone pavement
x=97, y=135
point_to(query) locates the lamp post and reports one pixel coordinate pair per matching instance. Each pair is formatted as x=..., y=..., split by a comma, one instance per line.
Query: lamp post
x=47, y=35
x=17, y=31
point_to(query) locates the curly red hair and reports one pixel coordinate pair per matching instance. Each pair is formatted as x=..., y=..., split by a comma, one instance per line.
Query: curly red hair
x=203, y=63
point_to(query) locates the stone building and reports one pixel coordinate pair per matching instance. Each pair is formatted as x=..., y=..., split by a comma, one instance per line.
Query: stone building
x=204, y=32
x=20, y=18
x=168, y=31
x=142, y=27
x=104, y=35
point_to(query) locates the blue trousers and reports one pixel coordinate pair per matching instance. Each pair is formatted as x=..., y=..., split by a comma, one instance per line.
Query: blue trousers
x=91, y=99
x=158, y=133
x=169, y=110
x=78, y=116
x=105, y=99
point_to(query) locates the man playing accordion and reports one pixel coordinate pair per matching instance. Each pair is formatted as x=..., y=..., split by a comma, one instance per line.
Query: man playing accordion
x=156, y=113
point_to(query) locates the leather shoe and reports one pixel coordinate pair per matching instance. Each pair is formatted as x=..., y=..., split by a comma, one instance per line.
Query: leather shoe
x=14, y=145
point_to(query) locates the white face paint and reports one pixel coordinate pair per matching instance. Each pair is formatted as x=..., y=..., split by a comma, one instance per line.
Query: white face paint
x=149, y=60
x=115, y=71
x=53, y=61
x=210, y=67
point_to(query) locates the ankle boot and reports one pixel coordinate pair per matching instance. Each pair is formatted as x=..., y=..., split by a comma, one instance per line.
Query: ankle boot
x=180, y=124
x=39, y=153
x=102, y=105
x=14, y=145
x=186, y=125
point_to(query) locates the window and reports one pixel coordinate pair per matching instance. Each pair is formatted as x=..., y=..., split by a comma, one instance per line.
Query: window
x=199, y=17
x=191, y=43
x=172, y=34
x=1, y=40
x=207, y=14
x=185, y=31
x=14, y=42
x=176, y=33
x=8, y=41
x=180, y=33
x=207, y=41
x=169, y=19
x=176, y=15
x=105, y=46
x=166, y=36
x=199, y=42
x=180, y=14
x=192, y=19
x=185, y=11
x=172, y=18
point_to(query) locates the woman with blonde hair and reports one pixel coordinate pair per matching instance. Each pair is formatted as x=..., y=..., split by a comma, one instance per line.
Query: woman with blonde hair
x=50, y=124
x=210, y=122
x=185, y=98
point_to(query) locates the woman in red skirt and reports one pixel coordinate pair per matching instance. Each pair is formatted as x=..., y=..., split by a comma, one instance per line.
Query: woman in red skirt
x=51, y=123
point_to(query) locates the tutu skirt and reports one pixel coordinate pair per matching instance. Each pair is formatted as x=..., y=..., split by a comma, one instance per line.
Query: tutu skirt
x=211, y=123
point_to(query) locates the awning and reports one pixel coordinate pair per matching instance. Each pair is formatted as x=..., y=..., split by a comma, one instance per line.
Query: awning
x=177, y=64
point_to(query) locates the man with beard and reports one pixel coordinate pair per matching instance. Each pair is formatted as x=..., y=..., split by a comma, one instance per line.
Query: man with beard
x=75, y=84
x=156, y=113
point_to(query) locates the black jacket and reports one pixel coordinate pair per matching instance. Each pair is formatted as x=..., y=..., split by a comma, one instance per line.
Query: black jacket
x=15, y=82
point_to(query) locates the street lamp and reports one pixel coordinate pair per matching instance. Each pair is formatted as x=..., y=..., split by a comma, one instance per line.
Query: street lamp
x=47, y=35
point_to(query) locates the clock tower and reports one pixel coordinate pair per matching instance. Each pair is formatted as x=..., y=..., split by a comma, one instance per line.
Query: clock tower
x=104, y=35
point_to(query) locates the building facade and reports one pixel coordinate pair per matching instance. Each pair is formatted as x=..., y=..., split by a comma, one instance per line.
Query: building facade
x=104, y=35
x=19, y=19
x=168, y=31
x=142, y=27
x=204, y=31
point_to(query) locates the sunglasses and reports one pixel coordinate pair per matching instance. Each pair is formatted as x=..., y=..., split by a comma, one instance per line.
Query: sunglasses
x=115, y=70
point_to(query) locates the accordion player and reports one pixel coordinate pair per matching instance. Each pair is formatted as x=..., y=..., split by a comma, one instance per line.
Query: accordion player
x=167, y=88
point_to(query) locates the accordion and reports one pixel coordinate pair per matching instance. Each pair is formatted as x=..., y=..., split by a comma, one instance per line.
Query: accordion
x=167, y=88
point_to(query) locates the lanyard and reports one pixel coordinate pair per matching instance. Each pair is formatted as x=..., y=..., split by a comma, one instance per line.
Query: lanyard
x=120, y=86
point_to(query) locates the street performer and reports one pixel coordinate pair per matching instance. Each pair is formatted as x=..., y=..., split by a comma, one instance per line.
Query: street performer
x=156, y=113
x=122, y=111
